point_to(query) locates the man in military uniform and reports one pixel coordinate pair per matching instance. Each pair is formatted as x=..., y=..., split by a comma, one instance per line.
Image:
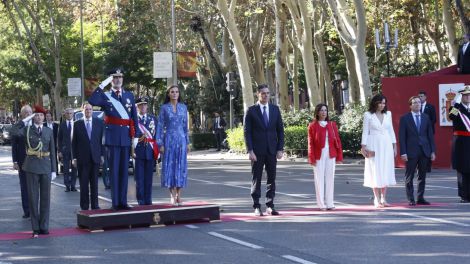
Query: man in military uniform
x=460, y=116
x=121, y=117
x=145, y=153
x=40, y=166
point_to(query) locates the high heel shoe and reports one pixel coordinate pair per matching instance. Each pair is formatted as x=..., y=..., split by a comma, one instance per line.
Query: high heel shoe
x=384, y=202
x=173, y=201
x=377, y=204
x=178, y=201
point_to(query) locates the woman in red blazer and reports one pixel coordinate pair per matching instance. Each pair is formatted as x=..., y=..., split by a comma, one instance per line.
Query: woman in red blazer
x=324, y=151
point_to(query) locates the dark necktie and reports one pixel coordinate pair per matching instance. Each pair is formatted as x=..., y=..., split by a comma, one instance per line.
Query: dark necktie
x=118, y=94
x=88, y=129
x=39, y=130
x=265, y=116
x=418, y=121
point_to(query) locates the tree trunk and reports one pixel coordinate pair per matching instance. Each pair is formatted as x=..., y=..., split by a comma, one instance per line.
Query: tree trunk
x=462, y=15
x=324, y=69
x=295, y=79
x=240, y=52
x=281, y=55
x=450, y=30
x=354, y=90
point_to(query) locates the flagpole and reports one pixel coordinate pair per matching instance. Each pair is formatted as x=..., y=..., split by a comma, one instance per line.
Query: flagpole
x=173, y=44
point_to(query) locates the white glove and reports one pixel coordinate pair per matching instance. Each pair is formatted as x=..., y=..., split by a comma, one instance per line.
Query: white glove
x=53, y=175
x=28, y=118
x=106, y=82
x=134, y=142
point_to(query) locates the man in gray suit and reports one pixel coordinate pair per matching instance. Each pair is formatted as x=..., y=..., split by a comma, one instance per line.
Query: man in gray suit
x=40, y=166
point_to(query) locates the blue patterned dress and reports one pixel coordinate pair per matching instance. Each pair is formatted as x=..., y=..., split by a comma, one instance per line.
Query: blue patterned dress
x=172, y=134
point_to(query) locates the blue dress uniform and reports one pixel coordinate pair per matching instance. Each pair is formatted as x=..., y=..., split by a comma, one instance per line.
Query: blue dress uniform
x=145, y=156
x=120, y=120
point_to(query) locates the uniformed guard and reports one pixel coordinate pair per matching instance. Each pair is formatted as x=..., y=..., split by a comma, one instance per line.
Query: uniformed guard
x=121, y=117
x=145, y=153
x=460, y=116
x=40, y=168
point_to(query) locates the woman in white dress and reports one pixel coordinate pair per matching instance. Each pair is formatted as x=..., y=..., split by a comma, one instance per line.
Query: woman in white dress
x=379, y=148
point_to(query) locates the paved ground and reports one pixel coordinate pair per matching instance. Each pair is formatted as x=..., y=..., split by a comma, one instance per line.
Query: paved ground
x=354, y=233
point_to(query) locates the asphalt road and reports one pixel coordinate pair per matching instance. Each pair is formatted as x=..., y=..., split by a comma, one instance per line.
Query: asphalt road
x=354, y=233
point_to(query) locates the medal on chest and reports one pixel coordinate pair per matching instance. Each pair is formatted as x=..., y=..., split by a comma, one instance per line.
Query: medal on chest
x=152, y=127
x=128, y=105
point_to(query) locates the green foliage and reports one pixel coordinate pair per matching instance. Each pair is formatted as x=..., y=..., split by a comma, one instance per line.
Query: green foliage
x=236, y=139
x=202, y=141
x=295, y=139
x=298, y=118
x=350, y=127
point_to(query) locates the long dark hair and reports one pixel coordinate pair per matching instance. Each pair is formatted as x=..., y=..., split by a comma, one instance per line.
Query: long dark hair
x=316, y=113
x=374, y=103
x=167, y=98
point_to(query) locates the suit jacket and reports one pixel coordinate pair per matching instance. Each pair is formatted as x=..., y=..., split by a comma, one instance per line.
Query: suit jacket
x=64, y=140
x=18, y=147
x=463, y=60
x=115, y=135
x=460, y=144
x=260, y=138
x=144, y=150
x=55, y=129
x=222, y=123
x=430, y=110
x=412, y=140
x=84, y=149
x=34, y=164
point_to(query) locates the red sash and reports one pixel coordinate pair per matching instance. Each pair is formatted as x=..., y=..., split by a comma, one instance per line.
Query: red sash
x=121, y=122
x=462, y=133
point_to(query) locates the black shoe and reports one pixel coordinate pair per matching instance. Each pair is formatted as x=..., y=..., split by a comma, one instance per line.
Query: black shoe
x=126, y=207
x=73, y=189
x=35, y=234
x=411, y=203
x=464, y=201
x=67, y=189
x=271, y=211
x=44, y=232
x=423, y=202
x=25, y=216
x=114, y=208
x=258, y=212
x=96, y=208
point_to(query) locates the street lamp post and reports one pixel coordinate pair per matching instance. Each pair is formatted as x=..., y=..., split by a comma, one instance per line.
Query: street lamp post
x=173, y=42
x=82, y=67
x=387, y=43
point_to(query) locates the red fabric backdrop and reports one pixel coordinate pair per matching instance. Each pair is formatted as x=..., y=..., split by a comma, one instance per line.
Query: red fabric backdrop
x=399, y=90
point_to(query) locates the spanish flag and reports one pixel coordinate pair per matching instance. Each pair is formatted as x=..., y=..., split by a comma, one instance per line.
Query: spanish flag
x=187, y=64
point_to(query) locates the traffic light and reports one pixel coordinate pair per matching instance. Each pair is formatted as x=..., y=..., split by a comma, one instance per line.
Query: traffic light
x=231, y=81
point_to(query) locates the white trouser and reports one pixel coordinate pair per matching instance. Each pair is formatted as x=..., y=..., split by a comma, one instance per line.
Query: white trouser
x=324, y=173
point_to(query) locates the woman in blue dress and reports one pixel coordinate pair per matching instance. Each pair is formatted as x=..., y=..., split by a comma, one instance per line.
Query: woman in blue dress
x=173, y=140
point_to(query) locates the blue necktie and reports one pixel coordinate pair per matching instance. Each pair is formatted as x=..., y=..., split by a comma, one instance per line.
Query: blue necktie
x=88, y=129
x=418, y=122
x=265, y=116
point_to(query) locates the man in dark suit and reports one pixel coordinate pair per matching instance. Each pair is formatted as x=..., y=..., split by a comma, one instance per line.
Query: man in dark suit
x=49, y=122
x=463, y=57
x=40, y=167
x=460, y=116
x=428, y=109
x=264, y=139
x=87, y=150
x=64, y=145
x=417, y=148
x=120, y=120
x=218, y=128
x=18, y=153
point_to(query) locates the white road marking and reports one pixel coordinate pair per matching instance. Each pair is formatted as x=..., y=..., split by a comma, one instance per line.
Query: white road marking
x=192, y=226
x=99, y=196
x=234, y=240
x=298, y=260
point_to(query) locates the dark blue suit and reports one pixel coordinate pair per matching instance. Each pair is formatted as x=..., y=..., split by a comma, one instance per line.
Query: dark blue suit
x=117, y=141
x=418, y=146
x=64, y=144
x=88, y=152
x=18, y=154
x=264, y=141
x=145, y=161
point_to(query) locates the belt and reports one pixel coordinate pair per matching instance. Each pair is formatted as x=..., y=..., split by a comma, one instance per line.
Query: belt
x=121, y=122
x=39, y=154
x=462, y=133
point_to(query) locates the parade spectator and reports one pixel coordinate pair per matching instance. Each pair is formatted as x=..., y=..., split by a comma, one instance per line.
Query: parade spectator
x=64, y=145
x=463, y=57
x=324, y=151
x=378, y=146
x=264, y=140
x=88, y=154
x=218, y=128
x=173, y=141
x=417, y=148
x=18, y=153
